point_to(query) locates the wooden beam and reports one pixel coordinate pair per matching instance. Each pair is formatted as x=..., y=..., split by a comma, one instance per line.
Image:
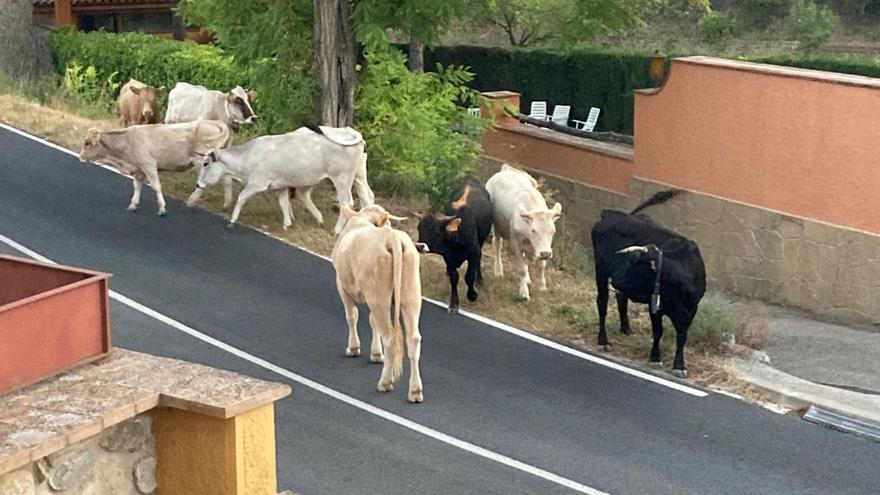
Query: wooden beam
x=63, y=13
x=612, y=137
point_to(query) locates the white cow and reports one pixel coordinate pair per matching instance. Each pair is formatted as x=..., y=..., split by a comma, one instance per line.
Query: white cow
x=144, y=150
x=299, y=160
x=188, y=102
x=379, y=266
x=522, y=217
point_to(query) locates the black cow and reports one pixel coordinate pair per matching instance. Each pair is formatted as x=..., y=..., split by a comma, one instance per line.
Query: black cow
x=648, y=264
x=459, y=235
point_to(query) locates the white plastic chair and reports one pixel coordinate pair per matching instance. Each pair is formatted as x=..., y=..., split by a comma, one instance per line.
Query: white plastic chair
x=560, y=114
x=538, y=110
x=474, y=111
x=589, y=124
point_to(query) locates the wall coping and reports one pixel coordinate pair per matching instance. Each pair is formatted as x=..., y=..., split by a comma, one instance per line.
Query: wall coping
x=47, y=417
x=769, y=70
x=614, y=150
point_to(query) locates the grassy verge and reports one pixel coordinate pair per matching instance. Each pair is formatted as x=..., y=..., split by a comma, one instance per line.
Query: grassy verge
x=565, y=313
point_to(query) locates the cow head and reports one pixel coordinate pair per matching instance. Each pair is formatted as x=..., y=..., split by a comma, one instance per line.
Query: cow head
x=435, y=231
x=540, y=227
x=148, y=96
x=374, y=214
x=647, y=255
x=92, y=146
x=211, y=169
x=238, y=105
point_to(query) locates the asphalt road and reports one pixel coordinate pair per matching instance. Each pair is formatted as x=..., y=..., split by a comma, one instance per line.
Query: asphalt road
x=501, y=415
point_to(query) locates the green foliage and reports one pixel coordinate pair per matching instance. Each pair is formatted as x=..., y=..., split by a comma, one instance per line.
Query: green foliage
x=420, y=141
x=847, y=64
x=717, y=28
x=811, y=24
x=582, y=78
x=88, y=92
x=713, y=321
x=420, y=18
x=761, y=13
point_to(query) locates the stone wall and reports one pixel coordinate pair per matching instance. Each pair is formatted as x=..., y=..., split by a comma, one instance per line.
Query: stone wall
x=121, y=460
x=749, y=251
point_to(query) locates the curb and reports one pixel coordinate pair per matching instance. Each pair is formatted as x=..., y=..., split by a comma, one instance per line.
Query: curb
x=798, y=393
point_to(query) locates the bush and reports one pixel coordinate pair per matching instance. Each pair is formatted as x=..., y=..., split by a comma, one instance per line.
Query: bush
x=90, y=94
x=811, y=24
x=421, y=142
x=761, y=13
x=717, y=28
x=847, y=64
x=582, y=78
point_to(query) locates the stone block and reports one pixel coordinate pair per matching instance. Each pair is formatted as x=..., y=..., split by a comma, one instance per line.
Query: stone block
x=17, y=483
x=128, y=436
x=70, y=468
x=770, y=243
x=145, y=475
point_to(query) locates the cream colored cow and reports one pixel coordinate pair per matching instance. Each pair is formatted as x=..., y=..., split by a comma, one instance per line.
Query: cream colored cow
x=379, y=266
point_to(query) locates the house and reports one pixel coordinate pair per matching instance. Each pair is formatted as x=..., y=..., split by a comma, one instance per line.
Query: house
x=150, y=16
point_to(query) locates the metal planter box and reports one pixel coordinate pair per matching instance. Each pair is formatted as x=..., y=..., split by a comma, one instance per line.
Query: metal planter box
x=52, y=318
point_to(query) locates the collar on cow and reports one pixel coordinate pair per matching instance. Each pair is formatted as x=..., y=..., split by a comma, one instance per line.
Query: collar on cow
x=655, y=297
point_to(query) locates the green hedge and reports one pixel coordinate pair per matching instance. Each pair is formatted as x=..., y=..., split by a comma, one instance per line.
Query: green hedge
x=152, y=60
x=848, y=64
x=581, y=78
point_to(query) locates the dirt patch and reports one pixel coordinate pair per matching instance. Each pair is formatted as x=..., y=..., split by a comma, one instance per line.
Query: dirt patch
x=565, y=313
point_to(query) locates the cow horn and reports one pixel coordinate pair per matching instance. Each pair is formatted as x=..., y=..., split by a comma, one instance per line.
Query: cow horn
x=445, y=218
x=422, y=247
x=634, y=249
x=397, y=218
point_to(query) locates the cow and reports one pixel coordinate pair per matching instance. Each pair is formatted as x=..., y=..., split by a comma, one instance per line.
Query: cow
x=144, y=150
x=379, y=266
x=299, y=160
x=137, y=103
x=648, y=264
x=188, y=102
x=459, y=234
x=522, y=217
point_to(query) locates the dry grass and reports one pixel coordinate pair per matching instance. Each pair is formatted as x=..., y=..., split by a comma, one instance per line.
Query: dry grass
x=565, y=313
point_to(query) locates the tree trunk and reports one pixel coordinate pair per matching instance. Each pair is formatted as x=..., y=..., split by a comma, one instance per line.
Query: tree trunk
x=416, y=61
x=336, y=53
x=18, y=56
x=178, y=23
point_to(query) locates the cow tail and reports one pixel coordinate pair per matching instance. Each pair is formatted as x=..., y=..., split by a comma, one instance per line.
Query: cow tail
x=397, y=335
x=362, y=187
x=658, y=198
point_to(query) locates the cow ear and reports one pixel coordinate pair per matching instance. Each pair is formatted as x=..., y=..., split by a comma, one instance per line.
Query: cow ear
x=348, y=212
x=556, y=211
x=161, y=89
x=526, y=216
x=382, y=219
x=453, y=225
x=134, y=89
x=252, y=95
x=212, y=156
x=230, y=97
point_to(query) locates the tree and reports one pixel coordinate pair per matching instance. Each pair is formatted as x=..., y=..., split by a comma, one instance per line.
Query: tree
x=536, y=21
x=336, y=54
x=18, y=57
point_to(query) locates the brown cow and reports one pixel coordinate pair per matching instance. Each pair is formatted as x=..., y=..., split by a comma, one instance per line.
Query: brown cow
x=379, y=266
x=137, y=103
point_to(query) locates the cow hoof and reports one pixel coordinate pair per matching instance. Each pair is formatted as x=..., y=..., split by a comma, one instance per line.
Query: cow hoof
x=387, y=387
x=285, y=227
x=132, y=208
x=162, y=213
x=376, y=358
x=353, y=352
x=657, y=365
x=472, y=296
x=680, y=373
x=605, y=347
x=415, y=397
x=452, y=311
x=625, y=330
x=230, y=225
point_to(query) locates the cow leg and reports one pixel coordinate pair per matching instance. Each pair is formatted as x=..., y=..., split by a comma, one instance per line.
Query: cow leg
x=304, y=194
x=497, y=242
x=452, y=273
x=380, y=321
x=227, y=191
x=478, y=259
x=602, y=307
x=526, y=279
x=376, y=352
x=657, y=330
x=362, y=188
x=414, y=349
x=195, y=197
x=623, y=313
x=152, y=175
x=471, y=275
x=681, y=324
x=343, y=196
x=284, y=203
x=351, y=317
x=247, y=193
x=542, y=267
x=137, y=183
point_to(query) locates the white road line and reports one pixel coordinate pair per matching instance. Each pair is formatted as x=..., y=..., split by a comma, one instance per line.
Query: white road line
x=394, y=418
x=482, y=319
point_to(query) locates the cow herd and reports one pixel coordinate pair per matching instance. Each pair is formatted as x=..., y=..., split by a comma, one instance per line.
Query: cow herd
x=376, y=264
